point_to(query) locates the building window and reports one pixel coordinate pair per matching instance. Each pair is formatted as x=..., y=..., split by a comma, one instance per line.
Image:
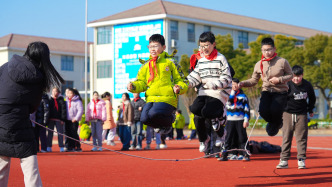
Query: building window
x=104, y=35
x=243, y=38
x=299, y=42
x=207, y=28
x=174, y=30
x=67, y=84
x=67, y=63
x=104, y=69
x=191, y=32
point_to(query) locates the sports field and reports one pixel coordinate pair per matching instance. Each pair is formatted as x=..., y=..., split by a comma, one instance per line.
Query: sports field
x=108, y=168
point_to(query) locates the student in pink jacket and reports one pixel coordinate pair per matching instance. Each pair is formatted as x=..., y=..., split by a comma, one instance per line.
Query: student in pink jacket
x=96, y=114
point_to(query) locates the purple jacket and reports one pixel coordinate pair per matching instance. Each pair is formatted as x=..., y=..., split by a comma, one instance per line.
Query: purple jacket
x=76, y=108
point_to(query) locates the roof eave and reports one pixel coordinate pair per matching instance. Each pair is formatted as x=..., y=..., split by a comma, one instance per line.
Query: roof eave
x=127, y=20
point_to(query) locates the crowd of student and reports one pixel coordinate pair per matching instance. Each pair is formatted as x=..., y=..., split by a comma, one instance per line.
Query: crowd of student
x=219, y=115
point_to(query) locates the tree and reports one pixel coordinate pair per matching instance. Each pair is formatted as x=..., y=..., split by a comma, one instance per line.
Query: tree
x=318, y=61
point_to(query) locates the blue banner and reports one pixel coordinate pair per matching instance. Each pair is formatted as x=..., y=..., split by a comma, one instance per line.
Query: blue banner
x=130, y=44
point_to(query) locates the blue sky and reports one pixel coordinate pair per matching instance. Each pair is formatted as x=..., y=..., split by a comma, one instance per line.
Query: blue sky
x=66, y=18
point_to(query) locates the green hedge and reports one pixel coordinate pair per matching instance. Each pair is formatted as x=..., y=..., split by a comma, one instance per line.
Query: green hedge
x=261, y=123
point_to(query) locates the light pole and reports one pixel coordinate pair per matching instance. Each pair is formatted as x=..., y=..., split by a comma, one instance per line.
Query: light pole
x=86, y=57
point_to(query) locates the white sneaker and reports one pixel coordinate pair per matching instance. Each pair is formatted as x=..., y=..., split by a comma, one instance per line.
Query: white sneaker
x=112, y=143
x=147, y=147
x=49, y=149
x=233, y=157
x=108, y=142
x=203, y=145
x=283, y=164
x=218, y=142
x=131, y=147
x=215, y=124
x=138, y=147
x=158, y=147
x=163, y=146
x=62, y=149
x=301, y=163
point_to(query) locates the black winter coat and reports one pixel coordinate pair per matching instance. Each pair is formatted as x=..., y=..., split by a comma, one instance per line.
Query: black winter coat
x=20, y=95
x=43, y=111
x=136, y=104
x=61, y=112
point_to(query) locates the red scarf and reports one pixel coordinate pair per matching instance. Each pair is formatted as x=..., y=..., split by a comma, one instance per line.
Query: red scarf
x=69, y=102
x=123, y=107
x=193, y=60
x=153, y=60
x=235, y=98
x=94, y=107
x=268, y=59
x=135, y=99
x=195, y=57
x=56, y=104
x=213, y=55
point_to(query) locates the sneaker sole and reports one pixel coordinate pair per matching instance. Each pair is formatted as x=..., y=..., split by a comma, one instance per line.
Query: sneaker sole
x=282, y=167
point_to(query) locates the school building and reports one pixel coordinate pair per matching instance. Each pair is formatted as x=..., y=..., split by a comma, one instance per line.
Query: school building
x=67, y=56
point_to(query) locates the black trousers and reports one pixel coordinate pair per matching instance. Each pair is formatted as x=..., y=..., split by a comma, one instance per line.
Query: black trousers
x=236, y=135
x=206, y=108
x=71, y=131
x=271, y=106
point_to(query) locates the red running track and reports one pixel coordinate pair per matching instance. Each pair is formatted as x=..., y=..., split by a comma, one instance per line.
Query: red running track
x=112, y=169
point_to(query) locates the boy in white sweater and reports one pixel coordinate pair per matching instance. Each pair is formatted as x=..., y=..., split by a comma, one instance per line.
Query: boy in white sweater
x=213, y=78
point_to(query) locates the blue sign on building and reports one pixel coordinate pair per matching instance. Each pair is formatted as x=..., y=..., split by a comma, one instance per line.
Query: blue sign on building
x=130, y=44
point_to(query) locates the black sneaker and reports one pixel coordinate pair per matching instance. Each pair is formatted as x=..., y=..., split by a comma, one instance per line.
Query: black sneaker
x=207, y=155
x=78, y=150
x=272, y=129
x=223, y=156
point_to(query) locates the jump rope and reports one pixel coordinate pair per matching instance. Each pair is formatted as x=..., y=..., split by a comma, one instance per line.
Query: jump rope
x=155, y=159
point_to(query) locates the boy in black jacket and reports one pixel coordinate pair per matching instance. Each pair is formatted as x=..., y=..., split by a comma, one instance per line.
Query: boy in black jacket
x=295, y=118
x=42, y=116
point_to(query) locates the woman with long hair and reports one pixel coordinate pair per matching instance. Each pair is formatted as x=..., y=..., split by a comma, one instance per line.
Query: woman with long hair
x=125, y=120
x=109, y=124
x=74, y=115
x=96, y=114
x=23, y=80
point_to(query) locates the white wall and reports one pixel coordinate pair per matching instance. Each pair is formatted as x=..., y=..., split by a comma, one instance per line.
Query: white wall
x=3, y=56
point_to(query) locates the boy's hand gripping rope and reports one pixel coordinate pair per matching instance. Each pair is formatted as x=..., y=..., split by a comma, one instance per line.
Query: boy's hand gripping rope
x=146, y=158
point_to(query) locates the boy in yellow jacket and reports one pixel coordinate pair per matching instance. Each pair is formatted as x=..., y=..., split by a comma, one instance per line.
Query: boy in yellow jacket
x=162, y=80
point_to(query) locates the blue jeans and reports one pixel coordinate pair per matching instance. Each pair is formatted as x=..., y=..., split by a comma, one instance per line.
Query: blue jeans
x=193, y=134
x=136, y=134
x=158, y=114
x=124, y=134
x=149, y=133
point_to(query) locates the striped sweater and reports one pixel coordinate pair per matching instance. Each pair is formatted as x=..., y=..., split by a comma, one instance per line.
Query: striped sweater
x=213, y=78
x=241, y=111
